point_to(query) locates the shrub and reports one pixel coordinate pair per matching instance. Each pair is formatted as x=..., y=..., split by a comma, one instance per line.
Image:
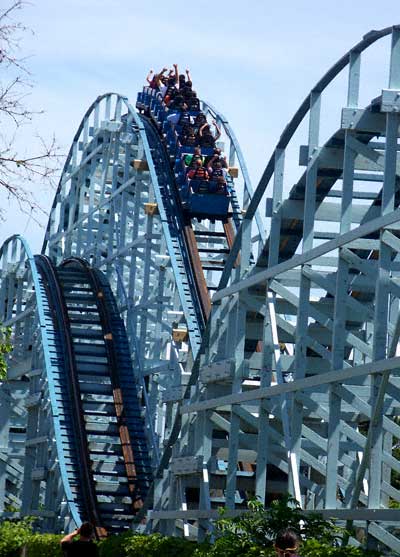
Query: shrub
x=13, y=536
x=249, y=535
x=314, y=548
x=115, y=546
x=155, y=545
x=44, y=545
x=252, y=534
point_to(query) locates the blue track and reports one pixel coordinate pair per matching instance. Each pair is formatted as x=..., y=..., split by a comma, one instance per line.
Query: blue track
x=101, y=430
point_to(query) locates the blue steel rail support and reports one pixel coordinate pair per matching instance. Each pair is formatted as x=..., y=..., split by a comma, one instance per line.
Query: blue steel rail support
x=329, y=289
x=32, y=309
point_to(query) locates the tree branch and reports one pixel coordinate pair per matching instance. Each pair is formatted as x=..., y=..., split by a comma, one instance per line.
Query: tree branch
x=20, y=173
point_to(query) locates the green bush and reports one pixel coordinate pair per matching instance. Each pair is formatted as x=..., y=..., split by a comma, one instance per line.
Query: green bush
x=314, y=548
x=234, y=546
x=155, y=545
x=13, y=536
x=44, y=545
x=248, y=535
x=115, y=546
x=5, y=348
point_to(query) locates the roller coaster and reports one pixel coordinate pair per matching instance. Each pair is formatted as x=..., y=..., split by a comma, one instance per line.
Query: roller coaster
x=175, y=352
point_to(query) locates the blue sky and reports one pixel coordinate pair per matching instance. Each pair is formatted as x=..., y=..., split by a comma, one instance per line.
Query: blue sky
x=254, y=60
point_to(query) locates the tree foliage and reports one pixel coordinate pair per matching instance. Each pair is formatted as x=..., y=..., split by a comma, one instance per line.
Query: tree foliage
x=249, y=535
x=252, y=534
x=5, y=348
x=13, y=536
x=44, y=545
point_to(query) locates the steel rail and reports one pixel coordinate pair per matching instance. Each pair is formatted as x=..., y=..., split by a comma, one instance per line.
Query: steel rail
x=192, y=273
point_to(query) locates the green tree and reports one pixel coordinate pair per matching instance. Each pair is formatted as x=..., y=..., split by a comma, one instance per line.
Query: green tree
x=252, y=534
x=5, y=348
x=44, y=545
x=13, y=536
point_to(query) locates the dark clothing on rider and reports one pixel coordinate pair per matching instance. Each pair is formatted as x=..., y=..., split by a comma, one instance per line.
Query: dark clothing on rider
x=176, y=103
x=207, y=140
x=198, y=122
x=218, y=174
x=189, y=140
x=193, y=104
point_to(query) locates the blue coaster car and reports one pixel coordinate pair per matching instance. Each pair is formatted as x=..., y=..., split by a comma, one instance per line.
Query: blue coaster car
x=199, y=199
x=205, y=200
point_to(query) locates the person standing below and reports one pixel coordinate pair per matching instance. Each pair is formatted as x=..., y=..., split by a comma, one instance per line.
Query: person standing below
x=287, y=543
x=84, y=547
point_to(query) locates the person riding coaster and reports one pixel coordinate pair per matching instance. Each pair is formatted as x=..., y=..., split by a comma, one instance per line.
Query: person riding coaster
x=200, y=180
x=197, y=177
x=190, y=141
x=190, y=159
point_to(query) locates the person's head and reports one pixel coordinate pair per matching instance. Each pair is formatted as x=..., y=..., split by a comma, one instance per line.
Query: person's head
x=217, y=151
x=287, y=543
x=194, y=94
x=171, y=80
x=218, y=165
x=189, y=84
x=182, y=78
x=164, y=79
x=198, y=163
x=86, y=530
x=197, y=150
x=200, y=118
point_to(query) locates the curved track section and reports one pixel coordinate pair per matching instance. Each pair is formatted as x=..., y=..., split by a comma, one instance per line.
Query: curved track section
x=86, y=454
x=67, y=396
x=106, y=457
